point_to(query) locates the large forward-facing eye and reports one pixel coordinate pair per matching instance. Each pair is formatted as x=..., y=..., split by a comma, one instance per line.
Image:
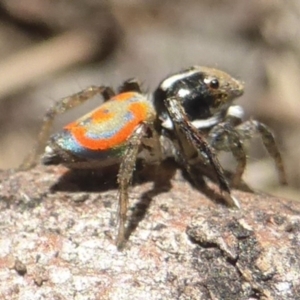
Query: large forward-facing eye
x=213, y=83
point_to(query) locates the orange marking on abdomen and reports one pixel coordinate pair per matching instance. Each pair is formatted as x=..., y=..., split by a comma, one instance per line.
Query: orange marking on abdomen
x=139, y=111
x=102, y=114
x=99, y=115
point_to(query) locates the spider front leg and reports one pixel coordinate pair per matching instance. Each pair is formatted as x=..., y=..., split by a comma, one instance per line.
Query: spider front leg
x=189, y=136
x=60, y=107
x=224, y=137
x=249, y=129
x=124, y=179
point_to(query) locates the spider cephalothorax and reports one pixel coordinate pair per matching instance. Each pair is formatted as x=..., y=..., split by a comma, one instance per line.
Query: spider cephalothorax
x=202, y=98
x=203, y=93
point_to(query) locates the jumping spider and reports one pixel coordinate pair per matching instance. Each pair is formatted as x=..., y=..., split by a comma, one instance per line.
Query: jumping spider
x=189, y=117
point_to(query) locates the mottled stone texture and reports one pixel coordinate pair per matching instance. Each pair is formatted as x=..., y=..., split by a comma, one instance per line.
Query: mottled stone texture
x=58, y=229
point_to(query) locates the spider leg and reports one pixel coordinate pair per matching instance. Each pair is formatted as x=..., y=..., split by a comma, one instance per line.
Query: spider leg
x=130, y=85
x=187, y=133
x=60, y=107
x=250, y=128
x=224, y=137
x=126, y=169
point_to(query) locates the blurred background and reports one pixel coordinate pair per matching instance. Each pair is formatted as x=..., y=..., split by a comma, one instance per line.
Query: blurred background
x=53, y=48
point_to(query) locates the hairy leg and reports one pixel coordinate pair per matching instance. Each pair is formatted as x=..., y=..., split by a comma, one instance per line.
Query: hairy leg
x=130, y=85
x=251, y=128
x=224, y=137
x=127, y=167
x=60, y=107
x=188, y=134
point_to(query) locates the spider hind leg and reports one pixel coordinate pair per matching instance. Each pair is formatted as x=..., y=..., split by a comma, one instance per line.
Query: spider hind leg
x=60, y=107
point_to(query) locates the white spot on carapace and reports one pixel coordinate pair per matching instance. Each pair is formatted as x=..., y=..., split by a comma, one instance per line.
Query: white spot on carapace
x=207, y=80
x=183, y=92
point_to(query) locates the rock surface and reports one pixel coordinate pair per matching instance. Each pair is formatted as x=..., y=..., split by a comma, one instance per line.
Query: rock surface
x=58, y=229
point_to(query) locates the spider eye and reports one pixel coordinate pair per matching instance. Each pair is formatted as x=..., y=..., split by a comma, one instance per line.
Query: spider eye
x=214, y=83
